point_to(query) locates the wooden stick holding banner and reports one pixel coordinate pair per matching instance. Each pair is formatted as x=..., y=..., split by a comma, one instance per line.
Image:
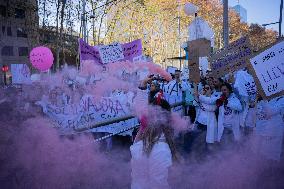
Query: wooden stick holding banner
x=235, y=57
x=267, y=68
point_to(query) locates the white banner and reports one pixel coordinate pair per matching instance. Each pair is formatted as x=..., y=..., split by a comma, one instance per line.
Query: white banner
x=269, y=69
x=20, y=74
x=111, y=53
x=90, y=111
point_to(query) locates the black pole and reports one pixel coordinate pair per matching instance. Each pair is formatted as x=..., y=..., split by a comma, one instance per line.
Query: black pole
x=280, y=19
x=225, y=23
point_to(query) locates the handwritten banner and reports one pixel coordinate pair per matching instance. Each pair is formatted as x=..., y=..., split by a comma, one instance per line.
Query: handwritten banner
x=130, y=51
x=234, y=58
x=20, y=74
x=73, y=117
x=111, y=53
x=268, y=67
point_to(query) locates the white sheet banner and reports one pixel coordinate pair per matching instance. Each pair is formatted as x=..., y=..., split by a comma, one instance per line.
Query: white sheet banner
x=111, y=53
x=89, y=112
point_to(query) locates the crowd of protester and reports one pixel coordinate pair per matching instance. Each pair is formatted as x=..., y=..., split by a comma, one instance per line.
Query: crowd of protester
x=220, y=116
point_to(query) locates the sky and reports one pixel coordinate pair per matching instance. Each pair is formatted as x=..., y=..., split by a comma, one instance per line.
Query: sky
x=261, y=11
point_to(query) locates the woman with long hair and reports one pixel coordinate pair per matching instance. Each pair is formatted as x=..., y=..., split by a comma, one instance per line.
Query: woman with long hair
x=229, y=107
x=152, y=156
x=153, y=150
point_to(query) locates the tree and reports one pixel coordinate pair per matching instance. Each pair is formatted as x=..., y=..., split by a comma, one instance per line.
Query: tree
x=155, y=22
x=260, y=37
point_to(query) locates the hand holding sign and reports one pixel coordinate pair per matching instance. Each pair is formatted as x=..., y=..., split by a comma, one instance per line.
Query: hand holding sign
x=41, y=58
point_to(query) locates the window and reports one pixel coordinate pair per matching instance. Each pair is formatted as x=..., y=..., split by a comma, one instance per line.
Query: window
x=21, y=33
x=7, y=51
x=19, y=13
x=9, y=31
x=23, y=51
x=3, y=11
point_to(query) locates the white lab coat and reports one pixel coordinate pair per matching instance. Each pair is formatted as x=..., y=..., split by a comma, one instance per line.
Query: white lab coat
x=246, y=88
x=150, y=172
x=269, y=130
x=234, y=104
x=208, y=104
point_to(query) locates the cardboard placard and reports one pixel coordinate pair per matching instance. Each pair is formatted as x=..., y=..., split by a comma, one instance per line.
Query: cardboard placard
x=203, y=45
x=197, y=48
x=267, y=69
x=231, y=59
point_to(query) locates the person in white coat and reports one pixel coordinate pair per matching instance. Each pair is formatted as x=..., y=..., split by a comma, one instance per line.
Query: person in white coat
x=229, y=108
x=152, y=156
x=206, y=119
x=269, y=128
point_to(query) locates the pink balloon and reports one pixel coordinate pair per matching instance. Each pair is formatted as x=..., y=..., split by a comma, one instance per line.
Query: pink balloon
x=41, y=58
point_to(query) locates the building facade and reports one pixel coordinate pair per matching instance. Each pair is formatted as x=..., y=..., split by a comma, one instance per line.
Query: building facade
x=242, y=12
x=19, y=24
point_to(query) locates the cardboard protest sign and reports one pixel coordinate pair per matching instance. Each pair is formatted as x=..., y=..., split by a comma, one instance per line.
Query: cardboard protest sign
x=268, y=70
x=111, y=53
x=20, y=74
x=203, y=45
x=235, y=57
x=196, y=48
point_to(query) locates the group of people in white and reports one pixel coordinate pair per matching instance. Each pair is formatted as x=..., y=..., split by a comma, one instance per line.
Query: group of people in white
x=217, y=106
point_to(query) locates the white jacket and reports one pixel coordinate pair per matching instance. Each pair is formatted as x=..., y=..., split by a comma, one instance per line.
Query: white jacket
x=150, y=172
x=269, y=128
x=272, y=126
x=208, y=104
x=235, y=105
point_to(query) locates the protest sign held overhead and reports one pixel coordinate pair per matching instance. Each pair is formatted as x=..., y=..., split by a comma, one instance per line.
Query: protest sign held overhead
x=196, y=48
x=234, y=57
x=127, y=52
x=268, y=70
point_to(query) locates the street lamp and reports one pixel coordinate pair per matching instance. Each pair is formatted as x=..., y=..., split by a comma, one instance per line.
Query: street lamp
x=280, y=20
x=269, y=24
x=264, y=25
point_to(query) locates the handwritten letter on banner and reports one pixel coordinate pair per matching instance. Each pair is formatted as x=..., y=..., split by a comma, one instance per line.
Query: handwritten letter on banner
x=234, y=58
x=73, y=117
x=269, y=70
x=130, y=51
x=111, y=53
